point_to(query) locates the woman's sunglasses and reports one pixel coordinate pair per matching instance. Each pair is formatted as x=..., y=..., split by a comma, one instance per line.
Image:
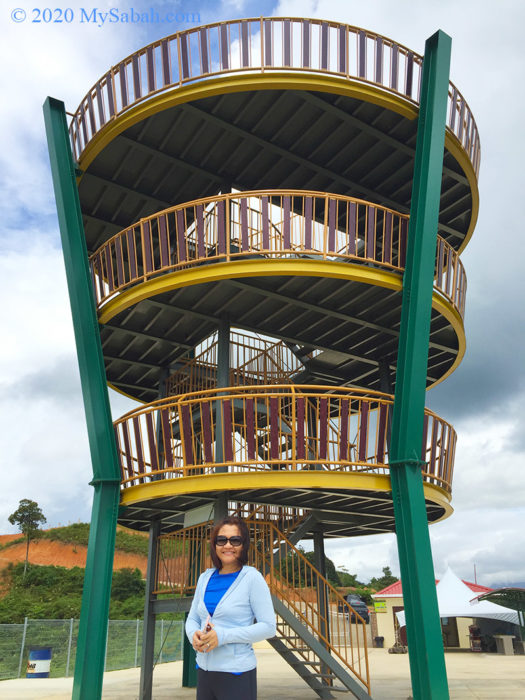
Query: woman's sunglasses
x=235, y=541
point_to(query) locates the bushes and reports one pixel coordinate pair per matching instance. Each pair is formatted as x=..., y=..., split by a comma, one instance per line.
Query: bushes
x=127, y=583
x=78, y=533
x=55, y=593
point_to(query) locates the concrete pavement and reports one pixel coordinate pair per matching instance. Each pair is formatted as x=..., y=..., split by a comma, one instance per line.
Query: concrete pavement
x=471, y=676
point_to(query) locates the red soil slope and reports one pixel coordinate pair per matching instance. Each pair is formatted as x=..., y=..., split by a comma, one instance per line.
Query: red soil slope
x=47, y=552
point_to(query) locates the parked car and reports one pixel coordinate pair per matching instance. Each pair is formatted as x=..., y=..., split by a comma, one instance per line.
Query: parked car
x=358, y=604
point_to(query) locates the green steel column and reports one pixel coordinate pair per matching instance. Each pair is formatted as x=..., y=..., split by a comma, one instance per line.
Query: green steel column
x=425, y=645
x=189, y=662
x=91, y=646
x=189, y=657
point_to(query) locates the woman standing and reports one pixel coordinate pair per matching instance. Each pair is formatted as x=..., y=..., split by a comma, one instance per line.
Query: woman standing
x=231, y=610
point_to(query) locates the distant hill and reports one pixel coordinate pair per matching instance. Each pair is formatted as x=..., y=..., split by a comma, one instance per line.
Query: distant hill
x=67, y=546
x=52, y=587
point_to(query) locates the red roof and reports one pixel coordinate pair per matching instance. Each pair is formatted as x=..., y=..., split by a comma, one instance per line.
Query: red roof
x=395, y=589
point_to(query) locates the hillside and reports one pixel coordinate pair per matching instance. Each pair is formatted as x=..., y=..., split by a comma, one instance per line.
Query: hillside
x=52, y=587
x=65, y=546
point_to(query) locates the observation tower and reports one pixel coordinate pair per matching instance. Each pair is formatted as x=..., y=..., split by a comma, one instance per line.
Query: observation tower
x=235, y=205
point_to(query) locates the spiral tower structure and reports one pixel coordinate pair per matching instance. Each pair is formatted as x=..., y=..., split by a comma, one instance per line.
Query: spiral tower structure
x=245, y=191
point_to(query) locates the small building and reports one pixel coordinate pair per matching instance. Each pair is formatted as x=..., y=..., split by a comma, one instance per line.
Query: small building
x=389, y=601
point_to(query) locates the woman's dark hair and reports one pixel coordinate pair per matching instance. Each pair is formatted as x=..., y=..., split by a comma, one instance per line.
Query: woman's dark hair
x=243, y=532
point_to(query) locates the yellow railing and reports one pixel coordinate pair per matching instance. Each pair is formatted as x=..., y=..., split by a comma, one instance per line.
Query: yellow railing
x=308, y=595
x=287, y=427
x=270, y=224
x=253, y=360
x=262, y=45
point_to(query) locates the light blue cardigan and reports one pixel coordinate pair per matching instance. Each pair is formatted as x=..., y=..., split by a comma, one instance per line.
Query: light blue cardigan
x=247, y=598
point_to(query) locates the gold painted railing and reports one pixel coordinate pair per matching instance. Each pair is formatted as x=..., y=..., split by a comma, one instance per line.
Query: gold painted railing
x=270, y=224
x=308, y=595
x=253, y=360
x=263, y=45
x=288, y=428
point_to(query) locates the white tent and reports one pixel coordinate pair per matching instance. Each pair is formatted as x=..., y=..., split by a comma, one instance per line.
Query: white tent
x=454, y=600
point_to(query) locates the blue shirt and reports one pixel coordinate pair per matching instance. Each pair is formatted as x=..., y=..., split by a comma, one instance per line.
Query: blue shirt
x=217, y=587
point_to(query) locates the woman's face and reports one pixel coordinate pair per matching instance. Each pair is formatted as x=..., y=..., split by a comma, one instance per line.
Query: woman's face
x=228, y=554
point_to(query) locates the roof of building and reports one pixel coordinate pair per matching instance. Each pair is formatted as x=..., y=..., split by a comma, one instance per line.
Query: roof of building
x=395, y=590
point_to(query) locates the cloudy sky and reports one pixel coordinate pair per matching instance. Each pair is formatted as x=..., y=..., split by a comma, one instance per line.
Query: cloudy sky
x=43, y=452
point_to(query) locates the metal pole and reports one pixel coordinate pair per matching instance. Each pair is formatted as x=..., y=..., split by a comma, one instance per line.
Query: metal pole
x=425, y=645
x=91, y=647
x=161, y=639
x=137, y=643
x=148, y=631
x=22, y=648
x=69, y=646
x=322, y=598
x=106, y=654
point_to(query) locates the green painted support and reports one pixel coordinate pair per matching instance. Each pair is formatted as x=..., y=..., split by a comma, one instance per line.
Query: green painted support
x=92, y=635
x=189, y=657
x=189, y=662
x=425, y=645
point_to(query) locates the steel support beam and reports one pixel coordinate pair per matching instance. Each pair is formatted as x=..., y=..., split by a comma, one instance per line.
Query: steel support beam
x=189, y=657
x=148, y=635
x=91, y=646
x=427, y=662
x=322, y=595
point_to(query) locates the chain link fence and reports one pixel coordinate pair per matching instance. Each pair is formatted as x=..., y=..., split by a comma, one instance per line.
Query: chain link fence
x=123, y=649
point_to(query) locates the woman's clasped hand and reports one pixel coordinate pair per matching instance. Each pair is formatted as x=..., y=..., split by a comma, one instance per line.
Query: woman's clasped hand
x=205, y=641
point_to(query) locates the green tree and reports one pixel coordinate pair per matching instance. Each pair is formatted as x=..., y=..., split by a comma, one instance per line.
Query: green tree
x=387, y=579
x=299, y=574
x=27, y=516
x=347, y=579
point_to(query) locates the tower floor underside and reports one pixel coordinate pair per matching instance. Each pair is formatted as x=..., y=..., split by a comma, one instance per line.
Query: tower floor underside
x=345, y=505
x=353, y=325
x=182, y=148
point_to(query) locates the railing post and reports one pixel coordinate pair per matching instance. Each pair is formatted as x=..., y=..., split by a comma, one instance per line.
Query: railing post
x=137, y=643
x=22, y=648
x=425, y=645
x=69, y=646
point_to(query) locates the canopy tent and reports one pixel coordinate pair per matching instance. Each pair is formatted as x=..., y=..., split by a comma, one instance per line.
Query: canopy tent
x=454, y=600
x=513, y=598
